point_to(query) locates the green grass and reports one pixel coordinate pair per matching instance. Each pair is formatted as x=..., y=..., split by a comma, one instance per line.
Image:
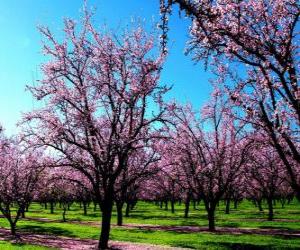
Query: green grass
x=14, y=246
x=246, y=216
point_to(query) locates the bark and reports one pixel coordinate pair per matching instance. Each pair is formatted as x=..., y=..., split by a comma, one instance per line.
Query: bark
x=235, y=204
x=84, y=208
x=127, y=209
x=64, y=214
x=270, y=207
x=227, y=206
x=211, y=220
x=12, y=228
x=119, y=213
x=210, y=209
x=172, y=206
x=187, y=206
x=259, y=205
x=51, y=207
x=106, y=220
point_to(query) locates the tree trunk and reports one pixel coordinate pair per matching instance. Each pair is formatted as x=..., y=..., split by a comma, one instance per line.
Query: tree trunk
x=259, y=205
x=187, y=208
x=227, y=206
x=211, y=220
x=84, y=208
x=13, y=228
x=119, y=213
x=166, y=205
x=127, y=209
x=106, y=219
x=210, y=209
x=270, y=207
x=46, y=207
x=52, y=207
x=172, y=206
x=235, y=204
x=64, y=213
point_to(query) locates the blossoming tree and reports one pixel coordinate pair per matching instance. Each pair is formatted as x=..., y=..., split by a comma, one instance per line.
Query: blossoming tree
x=102, y=98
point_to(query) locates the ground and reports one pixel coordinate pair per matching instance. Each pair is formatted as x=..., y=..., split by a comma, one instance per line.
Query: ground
x=149, y=225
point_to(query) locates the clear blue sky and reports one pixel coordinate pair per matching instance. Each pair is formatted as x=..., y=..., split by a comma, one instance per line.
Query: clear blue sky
x=20, y=47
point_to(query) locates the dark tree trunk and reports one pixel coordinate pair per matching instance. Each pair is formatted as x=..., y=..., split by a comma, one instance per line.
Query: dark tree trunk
x=187, y=206
x=172, y=206
x=270, y=207
x=106, y=220
x=119, y=213
x=282, y=201
x=84, y=208
x=166, y=205
x=210, y=209
x=227, y=206
x=235, y=204
x=211, y=220
x=259, y=205
x=64, y=213
x=46, y=207
x=13, y=228
x=127, y=209
x=161, y=204
x=52, y=207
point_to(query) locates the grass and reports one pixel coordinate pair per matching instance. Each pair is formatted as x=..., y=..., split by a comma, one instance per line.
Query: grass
x=17, y=246
x=246, y=216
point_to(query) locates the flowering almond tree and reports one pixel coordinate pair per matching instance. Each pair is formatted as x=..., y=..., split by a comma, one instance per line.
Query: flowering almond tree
x=102, y=99
x=209, y=151
x=262, y=38
x=20, y=170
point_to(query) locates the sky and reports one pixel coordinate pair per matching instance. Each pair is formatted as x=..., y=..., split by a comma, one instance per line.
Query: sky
x=21, y=57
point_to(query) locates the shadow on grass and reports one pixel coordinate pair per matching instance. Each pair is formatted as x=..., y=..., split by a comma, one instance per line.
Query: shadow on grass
x=46, y=230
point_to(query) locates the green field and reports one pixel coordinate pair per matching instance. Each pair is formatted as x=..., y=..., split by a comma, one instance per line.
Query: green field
x=246, y=216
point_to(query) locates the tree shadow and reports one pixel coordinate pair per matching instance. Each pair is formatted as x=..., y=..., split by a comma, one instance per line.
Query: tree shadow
x=46, y=230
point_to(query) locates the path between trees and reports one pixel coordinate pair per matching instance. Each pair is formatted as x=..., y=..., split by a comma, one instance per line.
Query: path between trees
x=67, y=243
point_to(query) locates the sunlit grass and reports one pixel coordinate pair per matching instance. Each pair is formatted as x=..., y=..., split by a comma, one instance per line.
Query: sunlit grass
x=14, y=246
